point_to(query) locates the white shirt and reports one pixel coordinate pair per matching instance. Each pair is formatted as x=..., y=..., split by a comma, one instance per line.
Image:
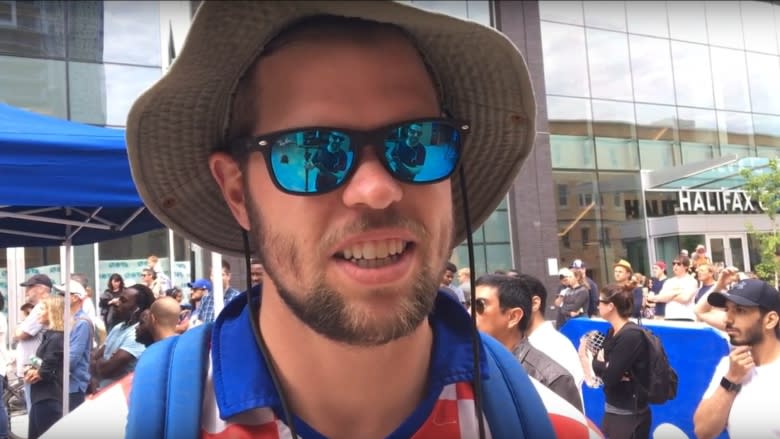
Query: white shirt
x=548, y=340
x=27, y=348
x=680, y=285
x=755, y=409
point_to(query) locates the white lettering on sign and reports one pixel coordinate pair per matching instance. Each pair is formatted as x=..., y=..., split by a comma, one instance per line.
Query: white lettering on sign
x=717, y=202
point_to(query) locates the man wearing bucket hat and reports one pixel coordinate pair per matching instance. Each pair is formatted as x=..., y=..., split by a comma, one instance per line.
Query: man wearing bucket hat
x=350, y=337
x=742, y=396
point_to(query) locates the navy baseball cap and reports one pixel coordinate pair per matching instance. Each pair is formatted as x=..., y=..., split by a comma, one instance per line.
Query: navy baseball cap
x=37, y=279
x=577, y=263
x=200, y=283
x=748, y=292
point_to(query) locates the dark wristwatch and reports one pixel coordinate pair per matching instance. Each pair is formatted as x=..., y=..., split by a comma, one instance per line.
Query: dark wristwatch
x=729, y=386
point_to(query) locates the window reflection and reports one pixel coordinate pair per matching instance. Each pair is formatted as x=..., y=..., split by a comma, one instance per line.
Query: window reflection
x=759, y=26
x=734, y=129
x=571, y=132
x=610, y=71
x=656, y=129
x=767, y=130
x=647, y=18
x=723, y=25
x=103, y=93
x=605, y=14
x=692, y=74
x=579, y=218
x=37, y=30
x=698, y=134
x=614, y=131
x=729, y=74
x=563, y=11
x=114, y=31
x=764, y=72
x=35, y=84
x=686, y=21
x=565, y=66
x=651, y=66
x=623, y=221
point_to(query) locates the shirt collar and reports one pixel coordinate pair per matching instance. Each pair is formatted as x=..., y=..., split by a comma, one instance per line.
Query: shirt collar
x=239, y=388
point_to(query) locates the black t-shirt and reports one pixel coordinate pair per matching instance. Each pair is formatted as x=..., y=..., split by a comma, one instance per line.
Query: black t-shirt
x=328, y=162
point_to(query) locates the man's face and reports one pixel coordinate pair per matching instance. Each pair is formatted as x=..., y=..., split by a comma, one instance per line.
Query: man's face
x=257, y=273
x=225, y=279
x=33, y=293
x=143, y=332
x=126, y=304
x=704, y=274
x=197, y=293
x=621, y=274
x=447, y=277
x=492, y=320
x=146, y=277
x=312, y=259
x=334, y=143
x=679, y=269
x=413, y=134
x=657, y=272
x=744, y=325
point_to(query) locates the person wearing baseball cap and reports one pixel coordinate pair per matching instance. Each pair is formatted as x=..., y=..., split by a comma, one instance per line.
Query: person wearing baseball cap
x=593, y=289
x=353, y=267
x=742, y=396
x=82, y=337
x=29, y=333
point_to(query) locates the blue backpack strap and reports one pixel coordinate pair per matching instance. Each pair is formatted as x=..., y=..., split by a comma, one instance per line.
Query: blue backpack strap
x=509, y=386
x=166, y=399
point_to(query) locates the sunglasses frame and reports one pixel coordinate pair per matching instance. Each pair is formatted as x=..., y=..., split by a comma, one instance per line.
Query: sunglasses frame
x=359, y=140
x=479, y=306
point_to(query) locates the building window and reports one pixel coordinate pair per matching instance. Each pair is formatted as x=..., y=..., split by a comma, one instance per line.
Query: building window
x=565, y=241
x=617, y=201
x=563, y=195
x=586, y=199
x=7, y=13
x=606, y=241
x=585, y=236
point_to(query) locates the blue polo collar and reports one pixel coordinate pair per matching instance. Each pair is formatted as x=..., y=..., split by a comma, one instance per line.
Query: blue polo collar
x=239, y=388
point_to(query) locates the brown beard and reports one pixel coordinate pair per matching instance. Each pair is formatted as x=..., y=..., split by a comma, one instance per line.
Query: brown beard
x=323, y=308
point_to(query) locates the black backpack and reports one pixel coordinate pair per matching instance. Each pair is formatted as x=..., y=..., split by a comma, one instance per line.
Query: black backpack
x=663, y=379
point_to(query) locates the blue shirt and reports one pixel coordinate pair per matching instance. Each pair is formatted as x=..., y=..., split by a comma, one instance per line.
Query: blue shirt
x=205, y=309
x=122, y=337
x=80, y=349
x=239, y=388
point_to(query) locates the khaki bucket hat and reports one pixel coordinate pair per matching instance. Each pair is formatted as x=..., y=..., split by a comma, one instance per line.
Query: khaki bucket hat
x=175, y=125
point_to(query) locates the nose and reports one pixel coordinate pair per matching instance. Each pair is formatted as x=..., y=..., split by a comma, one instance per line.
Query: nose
x=371, y=184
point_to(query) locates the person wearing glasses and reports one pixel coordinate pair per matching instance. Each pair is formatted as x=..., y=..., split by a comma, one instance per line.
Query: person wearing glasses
x=504, y=310
x=330, y=162
x=622, y=364
x=678, y=292
x=408, y=156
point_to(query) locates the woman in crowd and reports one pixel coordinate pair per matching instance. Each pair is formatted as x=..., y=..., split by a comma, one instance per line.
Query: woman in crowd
x=114, y=288
x=45, y=374
x=622, y=365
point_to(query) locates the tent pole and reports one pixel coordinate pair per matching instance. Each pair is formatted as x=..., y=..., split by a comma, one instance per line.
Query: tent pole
x=66, y=340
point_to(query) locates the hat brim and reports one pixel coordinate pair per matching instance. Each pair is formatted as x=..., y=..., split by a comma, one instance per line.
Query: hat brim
x=719, y=299
x=481, y=76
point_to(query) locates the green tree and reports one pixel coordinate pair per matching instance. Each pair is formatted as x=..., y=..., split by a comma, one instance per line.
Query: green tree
x=763, y=184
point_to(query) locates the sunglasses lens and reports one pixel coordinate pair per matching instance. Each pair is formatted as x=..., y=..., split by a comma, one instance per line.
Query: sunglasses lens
x=311, y=161
x=423, y=152
x=480, y=306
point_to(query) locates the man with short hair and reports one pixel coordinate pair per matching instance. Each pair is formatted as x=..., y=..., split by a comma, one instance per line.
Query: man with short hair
x=503, y=310
x=446, y=283
x=656, y=285
x=229, y=293
x=29, y=332
x=706, y=276
x=256, y=272
x=120, y=352
x=158, y=322
x=742, y=396
x=202, y=298
x=360, y=341
x=678, y=292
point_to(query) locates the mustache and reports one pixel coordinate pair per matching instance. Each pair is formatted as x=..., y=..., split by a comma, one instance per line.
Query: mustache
x=374, y=221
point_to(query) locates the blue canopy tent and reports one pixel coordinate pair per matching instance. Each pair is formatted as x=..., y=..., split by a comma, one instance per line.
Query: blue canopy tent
x=64, y=183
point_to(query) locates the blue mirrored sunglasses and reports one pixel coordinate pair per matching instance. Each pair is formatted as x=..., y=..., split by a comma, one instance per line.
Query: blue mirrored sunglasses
x=316, y=160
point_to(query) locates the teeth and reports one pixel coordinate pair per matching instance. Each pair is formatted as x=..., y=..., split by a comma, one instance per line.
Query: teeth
x=374, y=250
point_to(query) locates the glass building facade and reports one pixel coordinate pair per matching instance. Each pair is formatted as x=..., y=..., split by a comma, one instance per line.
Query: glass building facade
x=87, y=61
x=646, y=85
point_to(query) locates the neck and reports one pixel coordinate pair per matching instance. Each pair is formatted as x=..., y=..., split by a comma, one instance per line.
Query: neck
x=332, y=396
x=162, y=332
x=767, y=351
x=535, y=323
x=708, y=282
x=74, y=309
x=617, y=323
x=511, y=339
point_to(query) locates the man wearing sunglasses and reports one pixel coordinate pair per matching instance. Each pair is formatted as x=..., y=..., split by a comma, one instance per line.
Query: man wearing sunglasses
x=330, y=162
x=350, y=337
x=408, y=156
